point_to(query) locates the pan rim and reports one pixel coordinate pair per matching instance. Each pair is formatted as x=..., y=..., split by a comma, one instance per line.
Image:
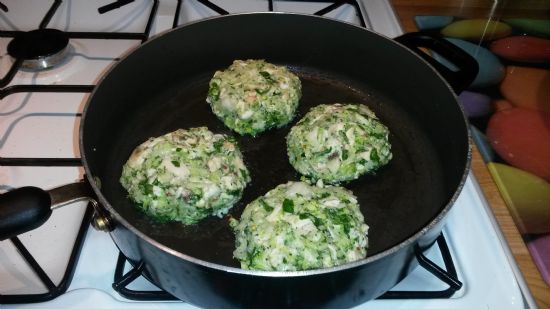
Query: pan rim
x=260, y=273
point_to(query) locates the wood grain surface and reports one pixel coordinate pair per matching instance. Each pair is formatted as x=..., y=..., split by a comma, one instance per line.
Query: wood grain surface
x=406, y=10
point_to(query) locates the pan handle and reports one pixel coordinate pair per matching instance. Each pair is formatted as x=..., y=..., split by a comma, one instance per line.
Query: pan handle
x=466, y=65
x=26, y=208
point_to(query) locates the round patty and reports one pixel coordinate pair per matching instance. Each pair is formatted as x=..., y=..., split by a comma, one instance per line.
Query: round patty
x=297, y=226
x=185, y=175
x=338, y=142
x=252, y=96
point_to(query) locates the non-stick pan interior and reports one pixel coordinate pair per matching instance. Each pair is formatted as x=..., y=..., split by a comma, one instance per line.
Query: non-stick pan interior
x=139, y=100
x=397, y=201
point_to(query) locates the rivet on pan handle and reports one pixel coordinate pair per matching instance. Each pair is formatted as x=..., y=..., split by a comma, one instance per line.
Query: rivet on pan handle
x=466, y=65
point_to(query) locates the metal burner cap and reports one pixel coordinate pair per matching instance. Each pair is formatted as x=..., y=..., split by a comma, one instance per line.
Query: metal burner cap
x=40, y=49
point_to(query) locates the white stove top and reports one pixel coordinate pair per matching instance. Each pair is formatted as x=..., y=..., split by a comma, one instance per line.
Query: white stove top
x=46, y=125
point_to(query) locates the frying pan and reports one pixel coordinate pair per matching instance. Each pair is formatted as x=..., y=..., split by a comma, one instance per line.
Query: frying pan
x=161, y=86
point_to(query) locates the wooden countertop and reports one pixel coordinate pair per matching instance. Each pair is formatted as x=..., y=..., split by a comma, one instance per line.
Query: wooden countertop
x=406, y=10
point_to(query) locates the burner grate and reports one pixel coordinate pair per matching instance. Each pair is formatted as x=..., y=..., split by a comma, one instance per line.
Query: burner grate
x=121, y=282
x=448, y=275
x=335, y=4
x=53, y=290
x=18, y=63
x=57, y=290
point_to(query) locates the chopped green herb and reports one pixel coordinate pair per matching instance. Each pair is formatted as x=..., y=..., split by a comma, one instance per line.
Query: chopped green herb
x=266, y=205
x=316, y=221
x=324, y=152
x=261, y=91
x=288, y=206
x=234, y=192
x=145, y=187
x=344, y=154
x=176, y=163
x=344, y=136
x=218, y=146
x=340, y=218
x=267, y=76
x=374, y=155
x=214, y=91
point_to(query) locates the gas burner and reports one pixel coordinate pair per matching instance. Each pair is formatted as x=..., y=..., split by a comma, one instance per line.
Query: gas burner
x=40, y=49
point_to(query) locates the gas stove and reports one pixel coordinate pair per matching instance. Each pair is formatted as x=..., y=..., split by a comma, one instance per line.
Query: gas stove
x=40, y=113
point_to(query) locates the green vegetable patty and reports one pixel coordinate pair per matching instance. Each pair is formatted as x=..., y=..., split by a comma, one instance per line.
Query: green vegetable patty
x=186, y=175
x=338, y=142
x=252, y=96
x=297, y=226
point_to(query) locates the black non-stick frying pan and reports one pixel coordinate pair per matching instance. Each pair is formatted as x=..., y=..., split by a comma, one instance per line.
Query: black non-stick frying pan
x=162, y=86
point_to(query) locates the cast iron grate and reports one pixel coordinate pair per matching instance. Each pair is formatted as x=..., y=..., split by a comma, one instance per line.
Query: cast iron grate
x=67, y=88
x=334, y=4
x=17, y=64
x=54, y=290
x=448, y=275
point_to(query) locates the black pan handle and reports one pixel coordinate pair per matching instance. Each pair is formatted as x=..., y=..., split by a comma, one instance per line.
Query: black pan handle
x=466, y=65
x=26, y=208
x=22, y=210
